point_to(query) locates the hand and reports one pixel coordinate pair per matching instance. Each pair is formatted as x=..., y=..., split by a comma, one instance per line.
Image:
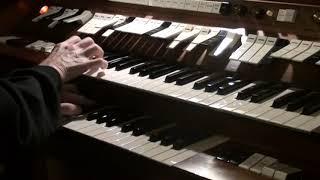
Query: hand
x=74, y=57
x=72, y=101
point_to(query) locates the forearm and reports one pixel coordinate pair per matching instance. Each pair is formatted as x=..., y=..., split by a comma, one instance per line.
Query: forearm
x=30, y=105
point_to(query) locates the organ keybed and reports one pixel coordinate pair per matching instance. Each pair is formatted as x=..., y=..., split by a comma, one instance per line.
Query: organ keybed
x=194, y=89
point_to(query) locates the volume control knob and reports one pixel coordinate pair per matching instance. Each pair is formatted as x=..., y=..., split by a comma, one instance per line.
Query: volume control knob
x=316, y=17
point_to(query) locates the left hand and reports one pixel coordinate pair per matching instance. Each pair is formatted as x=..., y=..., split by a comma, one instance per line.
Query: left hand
x=72, y=100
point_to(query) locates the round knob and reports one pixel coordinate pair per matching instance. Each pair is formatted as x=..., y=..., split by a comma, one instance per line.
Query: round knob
x=225, y=9
x=240, y=10
x=270, y=13
x=259, y=13
x=316, y=17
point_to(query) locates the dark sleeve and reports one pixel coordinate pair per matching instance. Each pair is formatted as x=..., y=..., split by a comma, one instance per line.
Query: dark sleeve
x=29, y=106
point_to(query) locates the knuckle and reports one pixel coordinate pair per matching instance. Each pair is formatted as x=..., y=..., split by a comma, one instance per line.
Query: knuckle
x=89, y=39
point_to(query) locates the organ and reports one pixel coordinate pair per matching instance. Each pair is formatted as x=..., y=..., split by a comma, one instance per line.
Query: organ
x=194, y=89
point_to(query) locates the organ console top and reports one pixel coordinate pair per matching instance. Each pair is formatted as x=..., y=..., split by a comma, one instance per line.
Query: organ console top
x=195, y=89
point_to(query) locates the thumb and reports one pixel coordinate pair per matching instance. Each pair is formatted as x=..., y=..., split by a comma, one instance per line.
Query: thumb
x=68, y=109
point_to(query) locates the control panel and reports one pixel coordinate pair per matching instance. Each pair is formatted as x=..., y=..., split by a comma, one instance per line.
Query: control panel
x=268, y=15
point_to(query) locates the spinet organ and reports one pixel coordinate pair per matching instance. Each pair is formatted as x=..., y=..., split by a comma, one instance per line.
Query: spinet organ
x=224, y=86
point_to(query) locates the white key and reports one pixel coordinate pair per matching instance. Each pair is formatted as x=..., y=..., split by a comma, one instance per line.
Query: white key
x=137, y=143
x=108, y=133
x=89, y=128
x=180, y=157
x=116, y=137
x=100, y=131
x=157, y=150
x=128, y=140
x=154, y=83
x=310, y=125
x=190, y=94
x=235, y=105
x=196, y=148
x=246, y=108
x=285, y=117
x=146, y=147
x=164, y=88
x=168, y=154
x=251, y=161
x=82, y=125
x=139, y=84
x=268, y=116
x=74, y=123
x=298, y=121
x=267, y=161
x=211, y=99
x=202, y=96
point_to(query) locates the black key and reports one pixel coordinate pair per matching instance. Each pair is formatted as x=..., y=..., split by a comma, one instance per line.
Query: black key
x=246, y=93
x=173, y=77
x=148, y=70
x=300, y=102
x=213, y=86
x=202, y=83
x=144, y=126
x=266, y=93
x=138, y=68
x=106, y=117
x=190, y=77
x=188, y=139
x=95, y=115
x=158, y=135
x=311, y=108
x=121, y=119
x=163, y=71
x=115, y=62
x=112, y=57
x=128, y=64
x=231, y=86
x=133, y=122
x=169, y=138
x=284, y=100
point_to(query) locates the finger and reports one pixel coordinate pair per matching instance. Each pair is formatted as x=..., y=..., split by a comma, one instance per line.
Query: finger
x=69, y=97
x=91, y=71
x=93, y=51
x=92, y=64
x=86, y=42
x=68, y=109
x=73, y=40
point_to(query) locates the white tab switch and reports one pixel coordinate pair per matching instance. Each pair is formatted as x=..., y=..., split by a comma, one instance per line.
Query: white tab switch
x=251, y=39
x=205, y=34
x=254, y=49
x=294, y=43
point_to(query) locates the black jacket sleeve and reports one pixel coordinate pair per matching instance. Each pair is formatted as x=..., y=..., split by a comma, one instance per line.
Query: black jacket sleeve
x=29, y=106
